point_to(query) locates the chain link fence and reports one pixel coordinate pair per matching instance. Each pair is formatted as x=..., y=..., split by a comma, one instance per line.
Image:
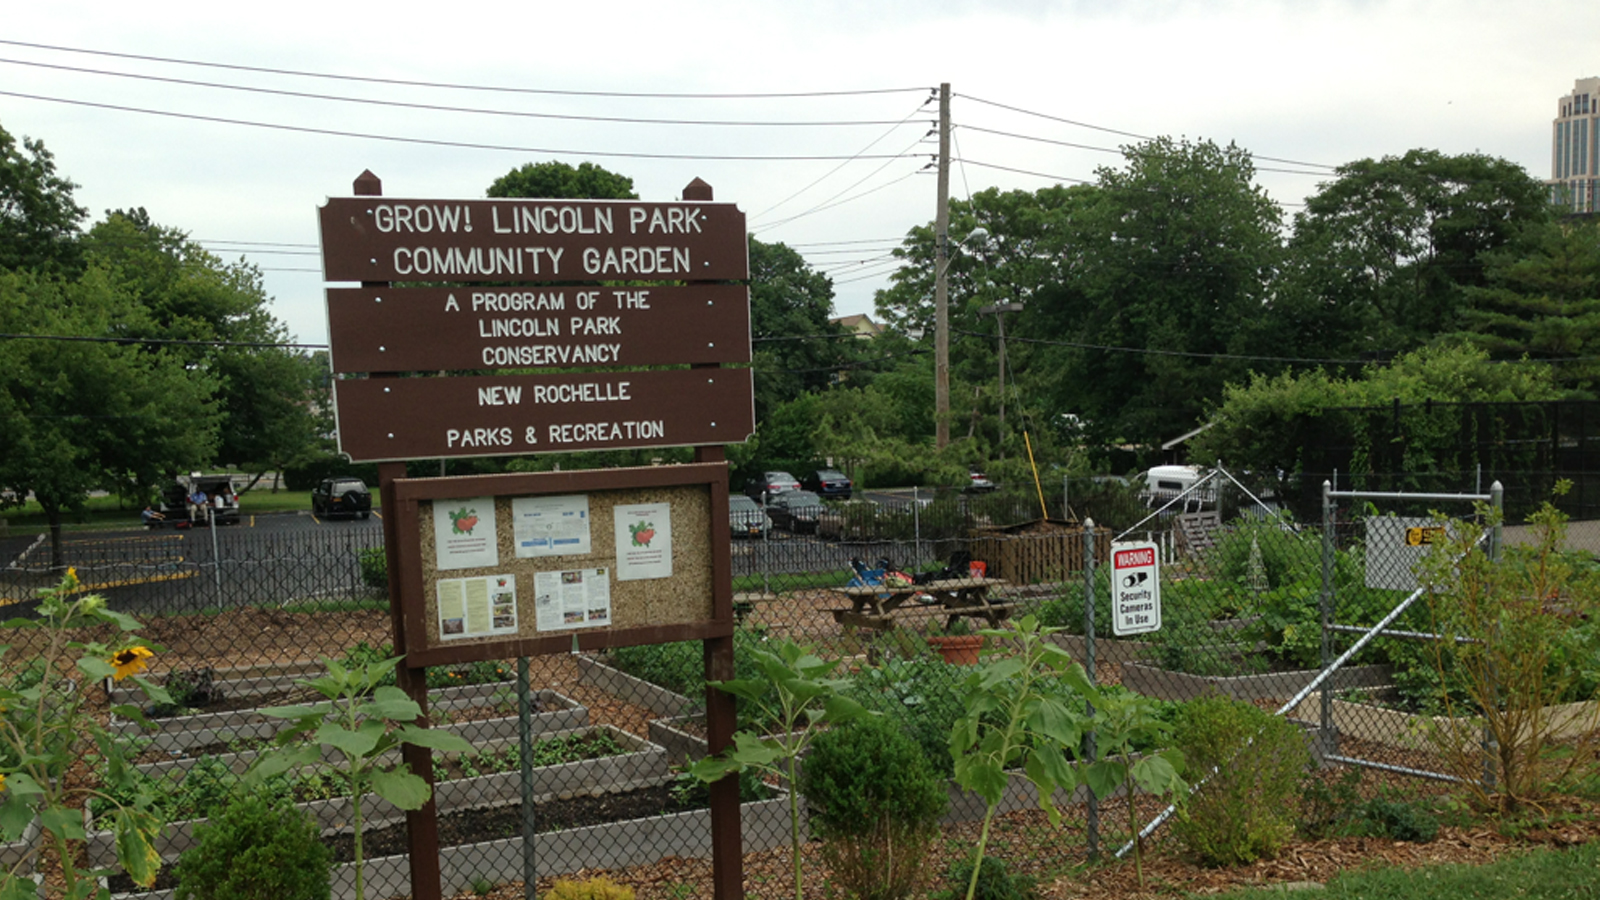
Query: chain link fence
x=1254, y=604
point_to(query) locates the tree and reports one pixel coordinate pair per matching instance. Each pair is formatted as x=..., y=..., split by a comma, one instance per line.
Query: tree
x=1542, y=300
x=1385, y=252
x=559, y=180
x=38, y=219
x=796, y=348
x=264, y=390
x=89, y=414
x=1169, y=270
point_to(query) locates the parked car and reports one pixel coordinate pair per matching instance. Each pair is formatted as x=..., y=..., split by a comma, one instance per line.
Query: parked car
x=221, y=507
x=978, y=483
x=746, y=518
x=342, y=496
x=796, y=511
x=770, y=484
x=829, y=484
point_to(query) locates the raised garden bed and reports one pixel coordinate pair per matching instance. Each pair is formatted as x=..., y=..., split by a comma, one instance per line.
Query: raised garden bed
x=180, y=736
x=1403, y=730
x=640, y=840
x=634, y=690
x=644, y=764
x=1167, y=684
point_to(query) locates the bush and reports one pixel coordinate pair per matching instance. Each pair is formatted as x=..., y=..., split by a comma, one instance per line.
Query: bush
x=374, y=567
x=875, y=802
x=920, y=697
x=994, y=882
x=257, y=849
x=1245, y=810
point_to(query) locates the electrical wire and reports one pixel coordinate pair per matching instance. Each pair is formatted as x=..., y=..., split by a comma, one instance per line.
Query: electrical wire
x=175, y=342
x=431, y=107
x=466, y=87
x=1147, y=351
x=432, y=142
x=1142, y=137
x=1114, y=150
x=830, y=173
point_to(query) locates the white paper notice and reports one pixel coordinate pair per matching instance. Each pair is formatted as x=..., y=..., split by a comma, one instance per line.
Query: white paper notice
x=477, y=607
x=644, y=541
x=464, y=533
x=550, y=526
x=576, y=598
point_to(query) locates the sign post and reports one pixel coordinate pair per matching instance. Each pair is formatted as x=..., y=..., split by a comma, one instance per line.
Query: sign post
x=486, y=567
x=1135, y=588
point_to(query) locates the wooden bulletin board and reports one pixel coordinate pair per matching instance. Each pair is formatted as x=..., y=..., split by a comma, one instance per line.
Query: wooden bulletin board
x=488, y=571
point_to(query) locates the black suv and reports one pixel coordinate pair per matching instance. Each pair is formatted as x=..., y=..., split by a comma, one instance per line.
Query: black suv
x=341, y=497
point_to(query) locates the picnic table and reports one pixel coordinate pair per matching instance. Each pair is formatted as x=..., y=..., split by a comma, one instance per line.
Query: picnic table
x=875, y=606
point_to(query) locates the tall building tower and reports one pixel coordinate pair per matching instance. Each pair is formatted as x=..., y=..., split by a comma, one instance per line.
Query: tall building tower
x=1575, y=148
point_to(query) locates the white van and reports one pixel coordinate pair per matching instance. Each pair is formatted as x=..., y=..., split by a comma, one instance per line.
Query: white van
x=1163, y=483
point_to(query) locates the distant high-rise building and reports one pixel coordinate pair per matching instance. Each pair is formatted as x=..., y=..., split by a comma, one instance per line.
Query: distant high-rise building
x=1575, y=148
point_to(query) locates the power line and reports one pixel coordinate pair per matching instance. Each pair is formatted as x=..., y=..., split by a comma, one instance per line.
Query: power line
x=1114, y=150
x=466, y=87
x=176, y=342
x=432, y=107
x=466, y=145
x=1142, y=137
x=1154, y=352
x=831, y=172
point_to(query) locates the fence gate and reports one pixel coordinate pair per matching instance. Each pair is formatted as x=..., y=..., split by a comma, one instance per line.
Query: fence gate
x=1369, y=703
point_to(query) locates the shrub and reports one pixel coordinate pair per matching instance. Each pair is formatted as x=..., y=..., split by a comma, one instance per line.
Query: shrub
x=600, y=888
x=1245, y=810
x=258, y=849
x=921, y=696
x=994, y=882
x=875, y=801
x=374, y=567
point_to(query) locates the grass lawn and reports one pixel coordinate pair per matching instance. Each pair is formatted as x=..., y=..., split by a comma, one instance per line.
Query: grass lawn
x=1571, y=874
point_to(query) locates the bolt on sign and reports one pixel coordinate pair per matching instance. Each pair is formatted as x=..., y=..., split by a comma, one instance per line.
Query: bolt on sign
x=581, y=300
x=1395, y=545
x=1135, y=588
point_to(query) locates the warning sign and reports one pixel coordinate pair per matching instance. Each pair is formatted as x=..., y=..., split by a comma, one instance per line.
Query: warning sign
x=1135, y=589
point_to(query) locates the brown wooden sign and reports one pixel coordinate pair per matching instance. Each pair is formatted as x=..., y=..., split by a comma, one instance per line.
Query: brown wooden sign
x=428, y=329
x=384, y=239
x=419, y=418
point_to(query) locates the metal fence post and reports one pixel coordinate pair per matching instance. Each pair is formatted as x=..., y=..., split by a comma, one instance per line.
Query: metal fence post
x=1325, y=614
x=530, y=868
x=1092, y=818
x=1497, y=510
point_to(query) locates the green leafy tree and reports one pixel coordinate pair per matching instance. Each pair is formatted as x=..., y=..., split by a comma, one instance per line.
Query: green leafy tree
x=1173, y=263
x=1542, y=300
x=796, y=348
x=559, y=180
x=38, y=218
x=81, y=415
x=1383, y=253
x=263, y=391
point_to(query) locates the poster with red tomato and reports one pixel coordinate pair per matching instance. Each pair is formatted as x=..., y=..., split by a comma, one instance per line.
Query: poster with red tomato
x=463, y=533
x=644, y=540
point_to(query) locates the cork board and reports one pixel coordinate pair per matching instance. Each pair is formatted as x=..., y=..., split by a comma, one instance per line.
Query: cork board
x=464, y=594
x=683, y=597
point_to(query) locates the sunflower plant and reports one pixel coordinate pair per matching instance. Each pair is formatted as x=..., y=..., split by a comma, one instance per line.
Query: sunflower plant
x=48, y=731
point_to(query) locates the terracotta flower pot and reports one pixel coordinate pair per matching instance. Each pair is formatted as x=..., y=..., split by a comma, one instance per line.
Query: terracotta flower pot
x=959, y=649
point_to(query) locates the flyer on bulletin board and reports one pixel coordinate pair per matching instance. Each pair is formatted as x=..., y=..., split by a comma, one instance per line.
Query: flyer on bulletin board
x=550, y=526
x=477, y=607
x=644, y=540
x=575, y=598
x=464, y=534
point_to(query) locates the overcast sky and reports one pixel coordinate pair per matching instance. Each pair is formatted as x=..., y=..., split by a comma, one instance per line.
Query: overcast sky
x=1316, y=83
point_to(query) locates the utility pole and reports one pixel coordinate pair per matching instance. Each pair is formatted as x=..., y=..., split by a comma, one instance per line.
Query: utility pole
x=999, y=310
x=941, y=282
